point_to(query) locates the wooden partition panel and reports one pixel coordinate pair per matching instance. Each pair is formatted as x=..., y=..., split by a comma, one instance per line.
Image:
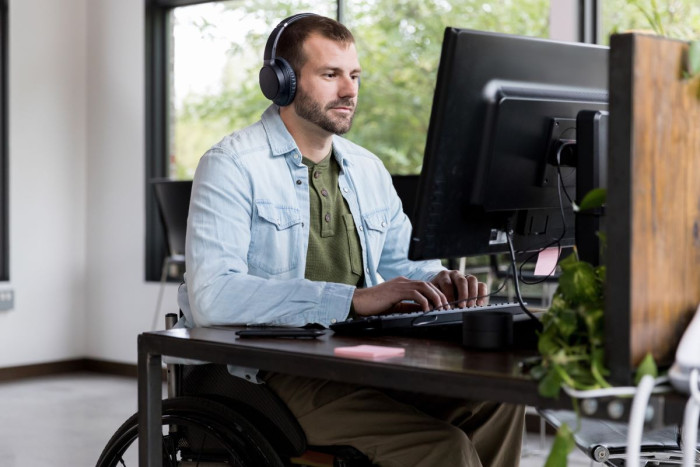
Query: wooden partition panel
x=653, y=218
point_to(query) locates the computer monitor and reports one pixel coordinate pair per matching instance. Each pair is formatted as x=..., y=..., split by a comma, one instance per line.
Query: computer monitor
x=505, y=107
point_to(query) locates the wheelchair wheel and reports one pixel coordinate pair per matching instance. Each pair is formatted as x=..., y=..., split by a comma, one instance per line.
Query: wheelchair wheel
x=196, y=431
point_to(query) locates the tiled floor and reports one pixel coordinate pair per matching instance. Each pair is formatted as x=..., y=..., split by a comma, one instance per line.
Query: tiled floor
x=64, y=421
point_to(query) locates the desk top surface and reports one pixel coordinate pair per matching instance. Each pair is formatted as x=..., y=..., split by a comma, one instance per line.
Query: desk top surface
x=429, y=366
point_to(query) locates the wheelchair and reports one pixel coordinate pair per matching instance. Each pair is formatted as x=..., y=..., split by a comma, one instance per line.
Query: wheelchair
x=212, y=418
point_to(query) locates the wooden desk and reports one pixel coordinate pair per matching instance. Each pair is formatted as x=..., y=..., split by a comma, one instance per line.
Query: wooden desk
x=429, y=366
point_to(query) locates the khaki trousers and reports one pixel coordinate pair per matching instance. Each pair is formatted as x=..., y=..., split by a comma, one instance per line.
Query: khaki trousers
x=396, y=428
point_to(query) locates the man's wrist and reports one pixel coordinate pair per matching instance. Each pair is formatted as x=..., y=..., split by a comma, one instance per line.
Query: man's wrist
x=351, y=313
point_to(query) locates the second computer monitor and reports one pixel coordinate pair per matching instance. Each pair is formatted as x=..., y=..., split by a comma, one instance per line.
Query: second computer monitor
x=504, y=110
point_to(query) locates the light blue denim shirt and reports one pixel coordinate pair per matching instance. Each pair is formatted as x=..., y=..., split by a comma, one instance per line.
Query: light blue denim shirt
x=248, y=231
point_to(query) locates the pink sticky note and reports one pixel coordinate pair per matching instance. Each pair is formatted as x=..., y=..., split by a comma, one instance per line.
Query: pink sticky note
x=373, y=352
x=547, y=261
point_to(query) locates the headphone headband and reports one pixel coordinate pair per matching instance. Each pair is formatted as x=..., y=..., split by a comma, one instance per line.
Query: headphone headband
x=271, y=45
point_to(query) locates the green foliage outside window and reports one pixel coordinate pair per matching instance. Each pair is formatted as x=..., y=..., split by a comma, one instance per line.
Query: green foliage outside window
x=679, y=19
x=399, y=53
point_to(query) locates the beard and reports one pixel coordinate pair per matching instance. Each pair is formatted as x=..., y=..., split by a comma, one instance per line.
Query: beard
x=309, y=109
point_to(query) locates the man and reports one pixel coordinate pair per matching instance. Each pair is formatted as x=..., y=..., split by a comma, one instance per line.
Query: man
x=291, y=224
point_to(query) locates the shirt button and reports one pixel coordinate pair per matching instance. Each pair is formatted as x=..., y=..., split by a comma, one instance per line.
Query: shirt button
x=361, y=229
x=383, y=224
x=327, y=217
x=317, y=174
x=333, y=320
x=324, y=192
x=298, y=182
x=345, y=190
x=367, y=270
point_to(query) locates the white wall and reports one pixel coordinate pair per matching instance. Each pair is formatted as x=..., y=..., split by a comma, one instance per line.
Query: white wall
x=76, y=156
x=120, y=304
x=564, y=20
x=47, y=135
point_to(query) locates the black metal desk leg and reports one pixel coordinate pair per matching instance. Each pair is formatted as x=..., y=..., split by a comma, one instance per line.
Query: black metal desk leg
x=150, y=387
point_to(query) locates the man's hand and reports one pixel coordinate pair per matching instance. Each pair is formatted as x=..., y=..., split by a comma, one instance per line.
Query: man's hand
x=388, y=295
x=467, y=290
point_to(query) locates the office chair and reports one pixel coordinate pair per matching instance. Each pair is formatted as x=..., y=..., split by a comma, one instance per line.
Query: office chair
x=173, y=199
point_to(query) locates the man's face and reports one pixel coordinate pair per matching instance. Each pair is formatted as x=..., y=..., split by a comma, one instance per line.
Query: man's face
x=328, y=82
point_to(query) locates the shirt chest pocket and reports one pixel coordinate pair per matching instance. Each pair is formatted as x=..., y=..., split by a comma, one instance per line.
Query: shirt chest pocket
x=275, y=234
x=376, y=225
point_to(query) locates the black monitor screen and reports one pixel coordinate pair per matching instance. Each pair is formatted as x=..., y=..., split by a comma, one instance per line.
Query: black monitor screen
x=504, y=108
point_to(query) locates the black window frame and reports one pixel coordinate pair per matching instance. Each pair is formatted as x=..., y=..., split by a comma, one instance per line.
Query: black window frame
x=4, y=163
x=589, y=21
x=157, y=54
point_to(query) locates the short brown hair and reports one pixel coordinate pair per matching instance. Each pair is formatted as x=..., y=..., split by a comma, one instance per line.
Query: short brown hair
x=292, y=39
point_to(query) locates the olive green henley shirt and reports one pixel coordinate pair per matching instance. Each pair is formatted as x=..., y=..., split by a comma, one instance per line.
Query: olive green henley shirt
x=334, y=253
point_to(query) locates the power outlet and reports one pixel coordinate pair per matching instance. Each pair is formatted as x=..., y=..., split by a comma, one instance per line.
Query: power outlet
x=7, y=299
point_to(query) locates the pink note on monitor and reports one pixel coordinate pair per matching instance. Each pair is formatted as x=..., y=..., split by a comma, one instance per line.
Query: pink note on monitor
x=373, y=352
x=547, y=261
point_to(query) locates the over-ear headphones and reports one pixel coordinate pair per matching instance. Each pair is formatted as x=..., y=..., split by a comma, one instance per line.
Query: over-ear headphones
x=277, y=79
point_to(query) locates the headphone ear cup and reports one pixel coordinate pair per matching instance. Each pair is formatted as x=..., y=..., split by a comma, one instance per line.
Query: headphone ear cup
x=288, y=83
x=269, y=79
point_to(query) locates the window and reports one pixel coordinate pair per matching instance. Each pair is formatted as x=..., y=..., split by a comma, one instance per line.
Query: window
x=216, y=63
x=679, y=19
x=203, y=59
x=4, y=175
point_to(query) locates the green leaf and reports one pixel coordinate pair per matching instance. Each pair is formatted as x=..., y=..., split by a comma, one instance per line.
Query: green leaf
x=594, y=324
x=593, y=199
x=601, y=271
x=569, y=261
x=579, y=283
x=546, y=343
x=568, y=322
x=646, y=367
x=561, y=447
x=550, y=385
x=558, y=303
x=694, y=58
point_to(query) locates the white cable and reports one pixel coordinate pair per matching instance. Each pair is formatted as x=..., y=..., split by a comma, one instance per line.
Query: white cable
x=616, y=391
x=694, y=387
x=690, y=421
x=636, y=423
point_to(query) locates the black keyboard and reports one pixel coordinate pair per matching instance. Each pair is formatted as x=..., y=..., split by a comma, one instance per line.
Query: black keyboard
x=409, y=323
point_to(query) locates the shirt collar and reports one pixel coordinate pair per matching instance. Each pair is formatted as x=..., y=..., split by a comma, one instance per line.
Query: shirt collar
x=281, y=142
x=339, y=151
